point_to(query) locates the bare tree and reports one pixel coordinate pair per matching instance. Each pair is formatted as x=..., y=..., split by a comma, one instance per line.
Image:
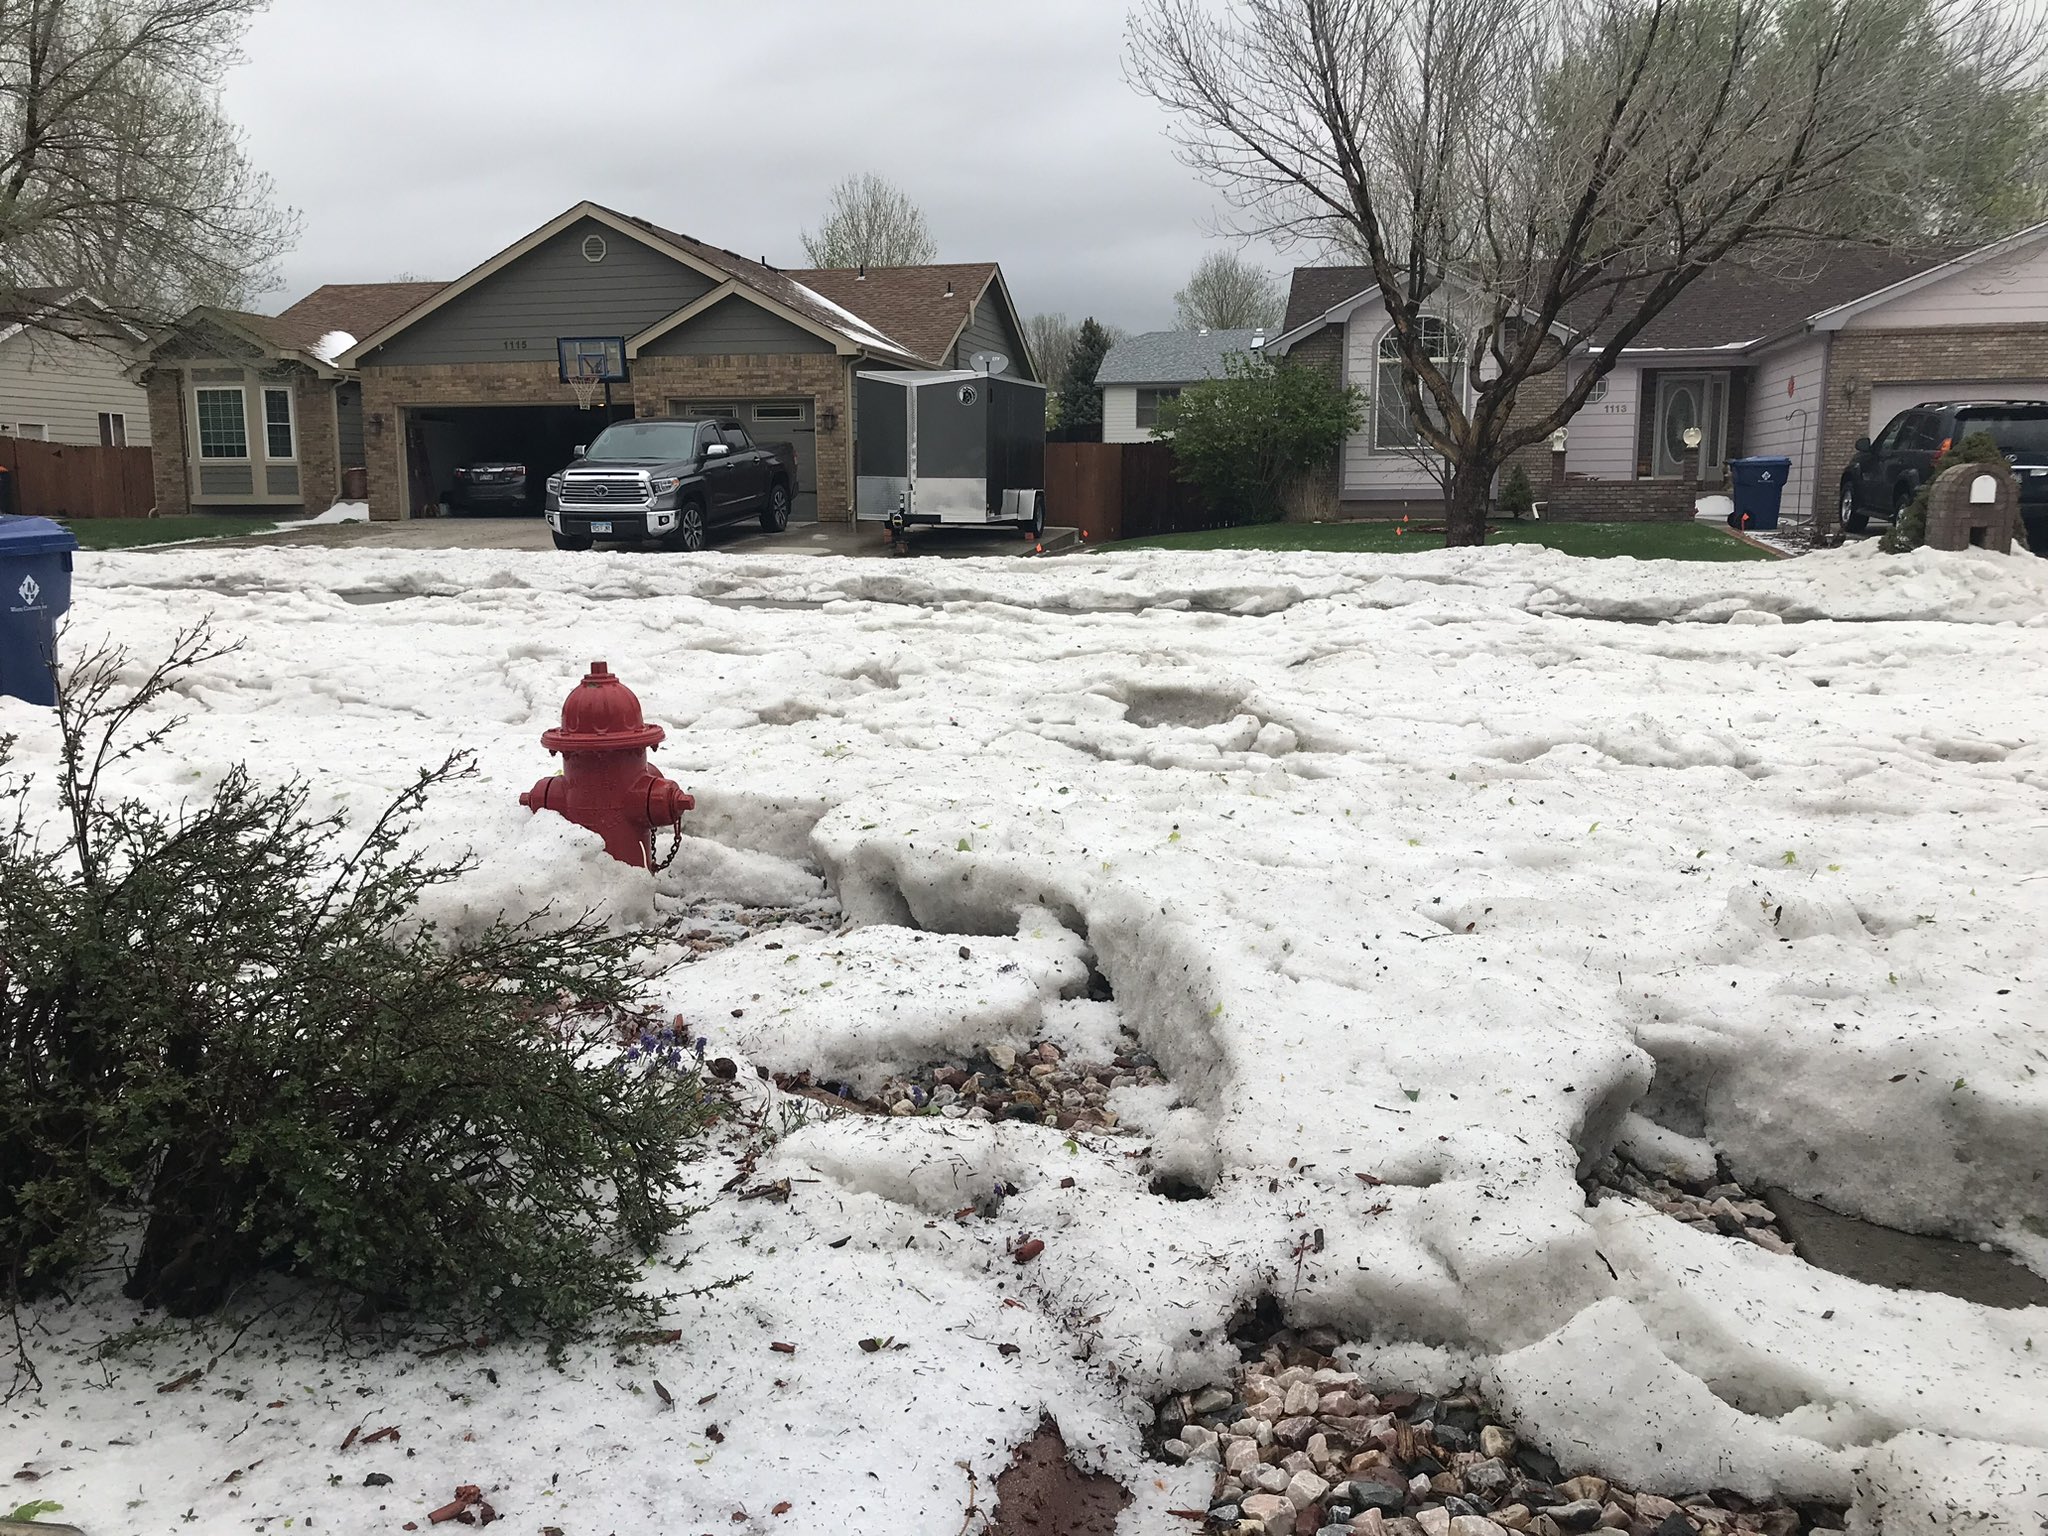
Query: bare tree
x=872, y=223
x=118, y=173
x=1052, y=343
x=1227, y=293
x=1531, y=182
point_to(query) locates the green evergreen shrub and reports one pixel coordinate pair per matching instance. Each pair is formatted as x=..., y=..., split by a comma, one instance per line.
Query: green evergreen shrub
x=233, y=1046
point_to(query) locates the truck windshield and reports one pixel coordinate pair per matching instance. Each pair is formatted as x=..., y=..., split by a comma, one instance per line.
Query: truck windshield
x=2021, y=433
x=660, y=441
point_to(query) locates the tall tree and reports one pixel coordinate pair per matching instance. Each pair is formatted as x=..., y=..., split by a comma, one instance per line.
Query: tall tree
x=1227, y=293
x=1532, y=182
x=118, y=172
x=1080, y=400
x=872, y=223
x=1052, y=343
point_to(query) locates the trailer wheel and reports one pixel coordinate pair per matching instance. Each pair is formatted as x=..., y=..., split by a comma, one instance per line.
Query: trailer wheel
x=1036, y=525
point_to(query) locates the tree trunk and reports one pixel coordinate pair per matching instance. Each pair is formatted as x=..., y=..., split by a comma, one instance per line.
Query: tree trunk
x=1466, y=500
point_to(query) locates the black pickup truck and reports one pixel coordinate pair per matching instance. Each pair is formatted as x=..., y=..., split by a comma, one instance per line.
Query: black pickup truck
x=667, y=480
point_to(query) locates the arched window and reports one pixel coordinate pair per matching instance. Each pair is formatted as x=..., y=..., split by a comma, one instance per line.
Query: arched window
x=1391, y=426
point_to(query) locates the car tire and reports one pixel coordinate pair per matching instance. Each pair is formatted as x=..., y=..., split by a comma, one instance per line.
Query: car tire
x=570, y=541
x=775, y=517
x=1902, y=498
x=1854, y=518
x=689, y=534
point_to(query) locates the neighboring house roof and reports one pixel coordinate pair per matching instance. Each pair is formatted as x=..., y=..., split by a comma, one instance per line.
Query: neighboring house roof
x=54, y=308
x=925, y=308
x=1735, y=305
x=780, y=292
x=1732, y=305
x=357, y=308
x=1173, y=357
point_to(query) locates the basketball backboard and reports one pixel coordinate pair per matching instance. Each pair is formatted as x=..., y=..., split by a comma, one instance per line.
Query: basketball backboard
x=592, y=359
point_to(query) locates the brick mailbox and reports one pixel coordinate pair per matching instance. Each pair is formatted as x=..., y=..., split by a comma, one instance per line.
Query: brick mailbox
x=1973, y=506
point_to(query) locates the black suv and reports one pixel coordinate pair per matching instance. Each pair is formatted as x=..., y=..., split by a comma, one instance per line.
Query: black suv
x=1885, y=474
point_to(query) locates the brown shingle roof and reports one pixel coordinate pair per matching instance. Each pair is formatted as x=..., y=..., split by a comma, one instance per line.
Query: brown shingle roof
x=909, y=304
x=1728, y=305
x=357, y=308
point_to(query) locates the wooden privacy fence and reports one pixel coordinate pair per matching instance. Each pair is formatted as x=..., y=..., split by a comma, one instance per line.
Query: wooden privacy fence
x=1121, y=491
x=74, y=480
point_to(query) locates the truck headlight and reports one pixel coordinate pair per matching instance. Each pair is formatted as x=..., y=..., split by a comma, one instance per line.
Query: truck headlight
x=662, y=485
x=554, y=485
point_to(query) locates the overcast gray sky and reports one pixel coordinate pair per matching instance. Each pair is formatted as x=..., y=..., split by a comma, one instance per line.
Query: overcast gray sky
x=421, y=136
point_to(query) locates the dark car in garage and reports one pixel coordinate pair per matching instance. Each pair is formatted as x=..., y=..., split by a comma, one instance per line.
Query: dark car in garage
x=492, y=485
x=1888, y=471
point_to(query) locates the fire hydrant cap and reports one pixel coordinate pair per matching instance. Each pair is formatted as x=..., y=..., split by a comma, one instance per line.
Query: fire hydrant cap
x=601, y=714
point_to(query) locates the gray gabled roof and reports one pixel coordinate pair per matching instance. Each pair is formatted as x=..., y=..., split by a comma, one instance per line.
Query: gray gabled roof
x=1172, y=357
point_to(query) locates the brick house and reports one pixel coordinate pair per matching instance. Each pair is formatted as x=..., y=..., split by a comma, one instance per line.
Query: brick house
x=252, y=412
x=475, y=370
x=1800, y=366
x=408, y=380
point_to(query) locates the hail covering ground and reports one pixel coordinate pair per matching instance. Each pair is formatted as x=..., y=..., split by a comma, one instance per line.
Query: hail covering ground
x=1423, y=879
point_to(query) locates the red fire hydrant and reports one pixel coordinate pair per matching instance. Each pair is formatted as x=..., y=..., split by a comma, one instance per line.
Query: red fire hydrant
x=606, y=783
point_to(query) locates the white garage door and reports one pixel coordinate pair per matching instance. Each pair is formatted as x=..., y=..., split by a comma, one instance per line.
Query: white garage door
x=1887, y=400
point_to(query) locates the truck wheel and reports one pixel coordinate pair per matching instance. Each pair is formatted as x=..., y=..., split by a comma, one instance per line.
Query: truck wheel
x=1036, y=525
x=689, y=532
x=568, y=541
x=775, y=516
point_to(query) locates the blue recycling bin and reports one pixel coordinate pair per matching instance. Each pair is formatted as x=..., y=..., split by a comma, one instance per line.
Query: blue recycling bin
x=1759, y=483
x=35, y=592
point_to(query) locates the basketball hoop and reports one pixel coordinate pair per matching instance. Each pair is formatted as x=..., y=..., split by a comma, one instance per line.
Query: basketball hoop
x=589, y=381
x=590, y=365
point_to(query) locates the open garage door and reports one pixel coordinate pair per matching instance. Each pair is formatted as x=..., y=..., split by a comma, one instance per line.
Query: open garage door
x=778, y=421
x=1887, y=400
x=443, y=438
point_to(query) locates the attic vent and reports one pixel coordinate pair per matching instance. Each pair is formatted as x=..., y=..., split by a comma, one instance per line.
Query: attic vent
x=593, y=248
x=949, y=287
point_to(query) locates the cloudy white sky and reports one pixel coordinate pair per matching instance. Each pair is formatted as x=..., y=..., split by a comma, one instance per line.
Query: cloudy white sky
x=419, y=137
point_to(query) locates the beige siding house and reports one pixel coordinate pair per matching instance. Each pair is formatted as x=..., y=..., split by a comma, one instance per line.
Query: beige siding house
x=1798, y=364
x=64, y=374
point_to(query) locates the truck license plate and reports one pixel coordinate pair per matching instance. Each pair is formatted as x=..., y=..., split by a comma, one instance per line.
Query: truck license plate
x=600, y=527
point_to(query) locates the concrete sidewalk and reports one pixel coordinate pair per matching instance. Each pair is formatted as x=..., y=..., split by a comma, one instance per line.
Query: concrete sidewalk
x=857, y=539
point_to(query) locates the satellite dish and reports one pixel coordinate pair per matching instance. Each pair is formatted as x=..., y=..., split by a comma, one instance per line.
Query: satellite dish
x=988, y=362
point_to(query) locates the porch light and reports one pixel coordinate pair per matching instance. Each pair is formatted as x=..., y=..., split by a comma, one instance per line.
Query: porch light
x=1557, y=440
x=1691, y=436
x=828, y=419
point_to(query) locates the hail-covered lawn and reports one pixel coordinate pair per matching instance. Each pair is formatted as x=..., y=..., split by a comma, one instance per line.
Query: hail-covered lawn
x=1415, y=878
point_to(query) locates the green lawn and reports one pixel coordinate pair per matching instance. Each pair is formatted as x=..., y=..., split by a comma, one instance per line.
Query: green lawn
x=127, y=532
x=1645, y=541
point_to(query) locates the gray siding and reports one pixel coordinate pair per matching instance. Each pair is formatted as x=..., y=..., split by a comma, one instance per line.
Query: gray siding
x=988, y=330
x=348, y=421
x=227, y=480
x=63, y=385
x=514, y=316
x=280, y=480
x=734, y=327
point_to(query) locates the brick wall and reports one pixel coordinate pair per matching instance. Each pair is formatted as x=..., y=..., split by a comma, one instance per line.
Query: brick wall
x=319, y=471
x=167, y=441
x=822, y=376
x=1858, y=360
x=656, y=380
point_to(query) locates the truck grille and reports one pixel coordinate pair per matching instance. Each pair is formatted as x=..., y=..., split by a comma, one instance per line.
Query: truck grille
x=603, y=490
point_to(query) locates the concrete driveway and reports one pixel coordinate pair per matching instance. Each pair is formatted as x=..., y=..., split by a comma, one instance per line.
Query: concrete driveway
x=858, y=539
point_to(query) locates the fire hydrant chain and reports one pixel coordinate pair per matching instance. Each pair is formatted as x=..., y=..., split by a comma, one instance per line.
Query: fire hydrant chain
x=675, y=847
x=606, y=783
